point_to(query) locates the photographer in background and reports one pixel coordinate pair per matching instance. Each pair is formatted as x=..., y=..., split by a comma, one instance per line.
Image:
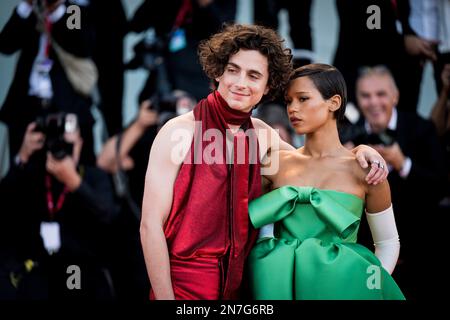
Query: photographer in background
x=179, y=26
x=55, y=213
x=411, y=148
x=54, y=70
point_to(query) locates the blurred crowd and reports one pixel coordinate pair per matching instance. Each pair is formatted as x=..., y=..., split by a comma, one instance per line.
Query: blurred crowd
x=62, y=204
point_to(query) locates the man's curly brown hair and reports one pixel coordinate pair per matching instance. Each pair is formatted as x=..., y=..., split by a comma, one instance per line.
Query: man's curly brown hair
x=215, y=52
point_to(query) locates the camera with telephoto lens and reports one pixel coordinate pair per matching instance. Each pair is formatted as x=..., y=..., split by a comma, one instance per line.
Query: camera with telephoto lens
x=172, y=104
x=55, y=126
x=150, y=52
x=163, y=102
x=358, y=135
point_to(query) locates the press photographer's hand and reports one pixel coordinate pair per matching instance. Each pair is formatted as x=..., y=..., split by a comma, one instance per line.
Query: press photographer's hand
x=32, y=141
x=147, y=117
x=64, y=171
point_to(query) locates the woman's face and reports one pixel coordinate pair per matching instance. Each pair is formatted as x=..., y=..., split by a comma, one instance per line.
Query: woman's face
x=244, y=80
x=307, y=109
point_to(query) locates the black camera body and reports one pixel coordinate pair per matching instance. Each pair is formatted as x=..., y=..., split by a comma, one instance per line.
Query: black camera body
x=386, y=138
x=149, y=53
x=163, y=103
x=54, y=126
x=358, y=135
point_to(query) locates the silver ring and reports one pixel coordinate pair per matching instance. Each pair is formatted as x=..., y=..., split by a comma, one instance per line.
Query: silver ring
x=377, y=162
x=381, y=166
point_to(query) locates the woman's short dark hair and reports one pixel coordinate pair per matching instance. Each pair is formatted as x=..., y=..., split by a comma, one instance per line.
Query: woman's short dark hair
x=214, y=53
x=328, y=81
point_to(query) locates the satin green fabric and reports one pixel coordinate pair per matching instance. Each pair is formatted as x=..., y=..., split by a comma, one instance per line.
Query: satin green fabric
x=314, y=254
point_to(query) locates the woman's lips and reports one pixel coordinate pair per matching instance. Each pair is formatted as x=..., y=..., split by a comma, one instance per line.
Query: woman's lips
x=295, y=120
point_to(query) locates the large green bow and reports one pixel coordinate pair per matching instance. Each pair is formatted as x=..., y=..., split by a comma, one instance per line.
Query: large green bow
x=279, y=203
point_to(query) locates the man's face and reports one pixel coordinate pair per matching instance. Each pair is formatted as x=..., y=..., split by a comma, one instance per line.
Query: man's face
x=244, y=80
x=377, y=96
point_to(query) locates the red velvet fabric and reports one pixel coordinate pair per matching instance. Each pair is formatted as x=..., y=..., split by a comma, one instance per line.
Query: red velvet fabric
x=208, y=231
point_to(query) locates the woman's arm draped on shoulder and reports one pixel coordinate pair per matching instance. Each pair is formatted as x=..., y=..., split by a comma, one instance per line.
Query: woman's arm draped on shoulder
x=368, y=156
x=161, y=173
x=380, y=217
x=270, y=145
x=272, y=138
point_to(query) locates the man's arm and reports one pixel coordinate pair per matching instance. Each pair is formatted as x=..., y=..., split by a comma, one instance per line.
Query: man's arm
x=162, y=171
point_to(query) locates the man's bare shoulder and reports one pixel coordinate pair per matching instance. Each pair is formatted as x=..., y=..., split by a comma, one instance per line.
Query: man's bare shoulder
x=177, y=132
x=284, y=156
x=269, y=136
x=181, y=125
x=184, y=121
x=259, y=124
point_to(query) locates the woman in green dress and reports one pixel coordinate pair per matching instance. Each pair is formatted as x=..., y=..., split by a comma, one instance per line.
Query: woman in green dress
x=318, y=197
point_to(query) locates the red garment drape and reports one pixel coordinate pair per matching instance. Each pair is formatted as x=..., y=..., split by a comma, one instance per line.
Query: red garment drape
x=208, y=231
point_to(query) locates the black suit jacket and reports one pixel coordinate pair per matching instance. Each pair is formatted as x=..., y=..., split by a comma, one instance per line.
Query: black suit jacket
x=414, y=198
x=360, y=46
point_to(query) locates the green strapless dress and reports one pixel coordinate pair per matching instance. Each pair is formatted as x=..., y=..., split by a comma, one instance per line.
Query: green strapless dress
x=314, y=254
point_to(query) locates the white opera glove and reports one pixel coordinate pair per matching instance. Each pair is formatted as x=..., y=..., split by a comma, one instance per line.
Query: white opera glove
x=385, y=236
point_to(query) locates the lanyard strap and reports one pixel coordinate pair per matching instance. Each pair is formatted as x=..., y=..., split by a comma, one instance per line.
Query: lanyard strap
x=185, y=9
x=48, y=27
x=50, y=203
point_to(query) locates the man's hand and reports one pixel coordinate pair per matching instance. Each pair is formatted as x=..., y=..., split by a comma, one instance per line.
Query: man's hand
x=64, y=171
x=393, y=155
x=32, y=141
x=445, y=76
x=147, y=117
x=417, y=46
x=365, y=155
x=107, y=160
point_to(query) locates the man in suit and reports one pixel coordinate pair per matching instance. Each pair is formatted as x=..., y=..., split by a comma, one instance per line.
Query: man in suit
x=410, y=146
x=40, y=85
x=360, y=44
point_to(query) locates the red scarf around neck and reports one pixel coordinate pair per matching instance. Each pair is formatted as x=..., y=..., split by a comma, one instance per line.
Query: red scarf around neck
x=209, y=214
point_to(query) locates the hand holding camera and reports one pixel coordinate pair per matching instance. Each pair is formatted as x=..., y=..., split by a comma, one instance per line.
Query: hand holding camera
x=147, y=116
x=64, y=170
x=32, y=142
